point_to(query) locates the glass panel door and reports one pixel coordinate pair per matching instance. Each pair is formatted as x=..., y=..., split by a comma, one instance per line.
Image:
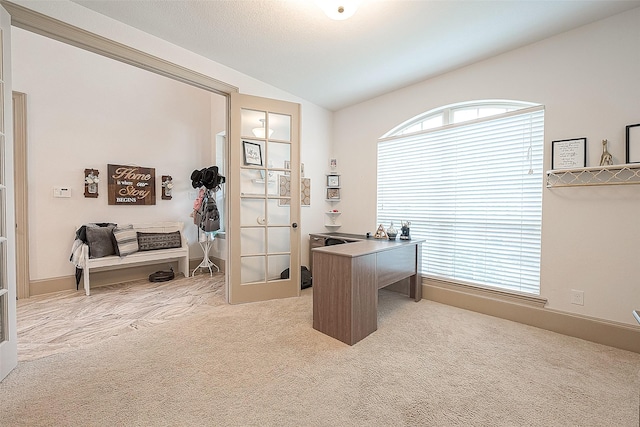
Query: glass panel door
x=264, y=180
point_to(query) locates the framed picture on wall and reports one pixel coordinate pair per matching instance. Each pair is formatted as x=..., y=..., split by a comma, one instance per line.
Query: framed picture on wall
x=131, y=185
x=305, y=191
x=569, y=153
x=633, y=144
x=333, y=194
x=333, y=181
x=252, y=153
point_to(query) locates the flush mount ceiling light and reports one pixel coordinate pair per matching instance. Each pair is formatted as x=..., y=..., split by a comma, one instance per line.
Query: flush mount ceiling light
x=261, y=131
x=338, y=9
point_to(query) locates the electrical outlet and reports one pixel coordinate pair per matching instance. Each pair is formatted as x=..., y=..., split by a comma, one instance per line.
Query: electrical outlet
x=577, y=297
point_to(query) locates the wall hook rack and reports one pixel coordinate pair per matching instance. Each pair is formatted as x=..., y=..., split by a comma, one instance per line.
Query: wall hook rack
x=167, y=186
x=91, y=181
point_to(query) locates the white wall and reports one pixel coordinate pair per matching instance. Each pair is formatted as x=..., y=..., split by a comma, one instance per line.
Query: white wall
x=86, y=111
x=588, y=81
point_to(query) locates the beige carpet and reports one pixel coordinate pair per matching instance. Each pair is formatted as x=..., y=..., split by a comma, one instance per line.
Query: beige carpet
x=263, y=364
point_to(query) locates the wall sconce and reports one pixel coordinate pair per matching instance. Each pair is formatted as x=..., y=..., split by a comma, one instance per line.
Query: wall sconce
x=261, y=131
x=91, y=181
x=167, y=186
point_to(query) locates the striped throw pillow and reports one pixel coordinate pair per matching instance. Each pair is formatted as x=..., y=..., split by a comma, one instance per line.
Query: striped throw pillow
x=127, y=240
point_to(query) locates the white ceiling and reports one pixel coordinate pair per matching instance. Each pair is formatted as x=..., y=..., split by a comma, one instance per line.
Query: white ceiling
x=386, y=45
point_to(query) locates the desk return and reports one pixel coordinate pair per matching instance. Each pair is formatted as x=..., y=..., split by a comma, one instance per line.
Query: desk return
x=346, y=279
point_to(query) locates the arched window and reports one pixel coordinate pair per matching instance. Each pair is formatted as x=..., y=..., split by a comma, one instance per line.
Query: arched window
x=469, y=179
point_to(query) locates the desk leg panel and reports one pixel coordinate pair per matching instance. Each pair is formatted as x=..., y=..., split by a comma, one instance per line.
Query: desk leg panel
x=415, y=282
x=345, y=297
x=365, y=297
x=332, y=296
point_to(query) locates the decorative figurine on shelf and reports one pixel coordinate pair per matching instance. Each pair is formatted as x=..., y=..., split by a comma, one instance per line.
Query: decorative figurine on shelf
x=405, y=230
x=606, y=159
x=392, y=232
x=380, y=234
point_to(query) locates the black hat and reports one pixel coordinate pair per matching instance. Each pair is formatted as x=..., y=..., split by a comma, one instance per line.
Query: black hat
x=196, y=178
x=209, y=178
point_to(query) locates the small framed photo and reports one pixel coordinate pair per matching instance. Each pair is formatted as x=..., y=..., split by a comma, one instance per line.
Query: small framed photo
x=333, y=164
x=333, y=181
x=569, y=153
x=333, y=194
x=633, y=144
x=252, y=153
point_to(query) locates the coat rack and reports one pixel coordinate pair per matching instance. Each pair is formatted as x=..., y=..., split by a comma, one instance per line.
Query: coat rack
x=205, y=212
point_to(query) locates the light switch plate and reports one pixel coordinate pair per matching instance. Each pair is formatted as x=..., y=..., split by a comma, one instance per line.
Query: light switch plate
x=63, y=192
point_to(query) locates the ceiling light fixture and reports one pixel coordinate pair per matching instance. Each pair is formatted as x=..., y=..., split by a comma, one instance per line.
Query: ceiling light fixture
x=338, y=9
x=261, y=131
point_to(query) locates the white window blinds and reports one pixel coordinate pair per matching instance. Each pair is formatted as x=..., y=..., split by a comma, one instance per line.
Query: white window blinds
x=473, y=191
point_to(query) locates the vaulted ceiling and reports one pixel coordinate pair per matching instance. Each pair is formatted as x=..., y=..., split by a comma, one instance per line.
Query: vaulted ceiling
x=386, y=45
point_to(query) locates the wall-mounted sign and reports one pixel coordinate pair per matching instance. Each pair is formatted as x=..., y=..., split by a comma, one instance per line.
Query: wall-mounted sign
x=131, y=185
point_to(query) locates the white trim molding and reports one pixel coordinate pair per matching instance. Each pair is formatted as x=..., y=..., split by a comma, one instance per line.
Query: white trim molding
x=530, y=310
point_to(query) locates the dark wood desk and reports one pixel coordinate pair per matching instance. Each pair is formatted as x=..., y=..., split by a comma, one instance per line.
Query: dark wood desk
x=346, y=279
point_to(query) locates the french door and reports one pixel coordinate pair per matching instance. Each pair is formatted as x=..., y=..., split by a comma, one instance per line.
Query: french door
x=264, y=199
x=8, y=335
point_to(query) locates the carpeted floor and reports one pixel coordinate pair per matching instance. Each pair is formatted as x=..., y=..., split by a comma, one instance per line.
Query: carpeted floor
x=262, y=364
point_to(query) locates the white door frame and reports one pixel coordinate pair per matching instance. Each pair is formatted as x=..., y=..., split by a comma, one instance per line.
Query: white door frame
x=8, y=318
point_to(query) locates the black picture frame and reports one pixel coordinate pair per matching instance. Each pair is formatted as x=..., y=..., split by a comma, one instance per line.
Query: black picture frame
x=252, y=152
x=569, y=153
x=632, y=147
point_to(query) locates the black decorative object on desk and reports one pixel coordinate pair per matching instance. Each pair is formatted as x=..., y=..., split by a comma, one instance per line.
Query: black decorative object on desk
x=405, y=230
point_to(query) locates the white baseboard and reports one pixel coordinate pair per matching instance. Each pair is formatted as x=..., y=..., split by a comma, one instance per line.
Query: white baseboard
x=609, y=333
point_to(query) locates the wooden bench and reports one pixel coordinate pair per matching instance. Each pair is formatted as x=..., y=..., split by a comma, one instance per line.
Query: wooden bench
x=156, y=256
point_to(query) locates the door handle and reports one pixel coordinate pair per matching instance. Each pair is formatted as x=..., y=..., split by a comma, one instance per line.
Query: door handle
x=294, y=225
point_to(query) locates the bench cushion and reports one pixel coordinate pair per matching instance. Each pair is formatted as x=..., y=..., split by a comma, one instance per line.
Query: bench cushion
x=153, y=241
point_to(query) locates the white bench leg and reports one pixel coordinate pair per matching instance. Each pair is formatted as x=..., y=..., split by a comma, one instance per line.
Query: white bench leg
x=85, y=275
x=183, y=265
